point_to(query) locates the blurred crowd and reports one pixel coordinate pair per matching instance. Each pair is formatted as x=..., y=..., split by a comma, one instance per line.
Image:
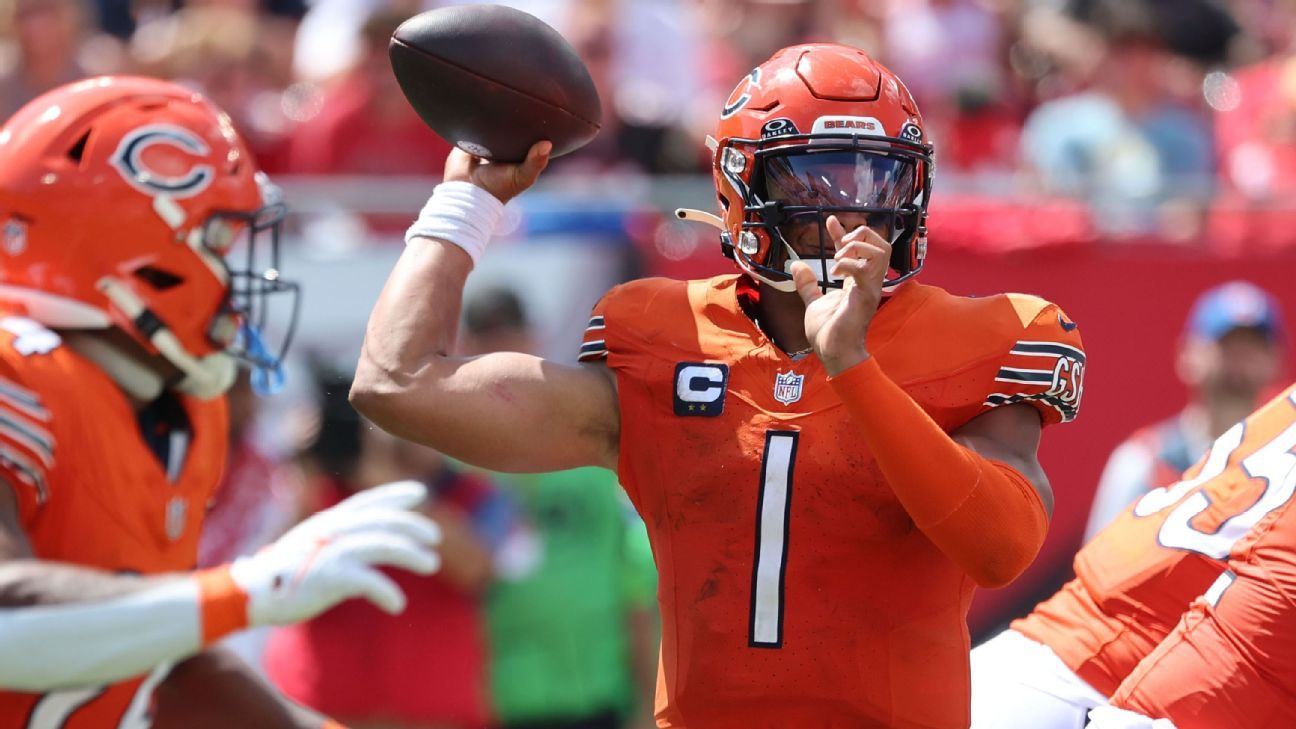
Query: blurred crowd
x=1173, y=118
x=1149, y=110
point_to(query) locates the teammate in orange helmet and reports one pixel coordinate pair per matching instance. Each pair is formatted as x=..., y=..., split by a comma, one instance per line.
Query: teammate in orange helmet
x=1134, y=581
x=1230, y=661
x=828, y=455
x=121, y=325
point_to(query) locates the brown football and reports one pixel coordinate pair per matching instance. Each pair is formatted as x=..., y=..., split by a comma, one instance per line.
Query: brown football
x=493, y=80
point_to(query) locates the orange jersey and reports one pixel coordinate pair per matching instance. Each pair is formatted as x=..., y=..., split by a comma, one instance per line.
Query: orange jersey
x=91, y=492
x=1138, y=575
x=794, y=588
x=1231, y=659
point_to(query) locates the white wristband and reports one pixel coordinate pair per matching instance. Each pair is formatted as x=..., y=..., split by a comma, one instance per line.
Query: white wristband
x=463, y=214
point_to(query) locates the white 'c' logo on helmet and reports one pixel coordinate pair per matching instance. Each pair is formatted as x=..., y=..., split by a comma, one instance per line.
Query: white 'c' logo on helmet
x=741, y=95
x=129, y=161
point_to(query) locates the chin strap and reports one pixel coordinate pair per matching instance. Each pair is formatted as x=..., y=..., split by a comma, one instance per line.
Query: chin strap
x=267, y=380
x=205, y=377
x=136, y=380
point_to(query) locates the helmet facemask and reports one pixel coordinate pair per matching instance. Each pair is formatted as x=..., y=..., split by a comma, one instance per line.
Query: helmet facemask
x=240, y=328
x=796, y=182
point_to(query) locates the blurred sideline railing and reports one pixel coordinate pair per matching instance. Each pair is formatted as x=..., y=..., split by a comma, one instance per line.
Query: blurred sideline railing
x=992, y=212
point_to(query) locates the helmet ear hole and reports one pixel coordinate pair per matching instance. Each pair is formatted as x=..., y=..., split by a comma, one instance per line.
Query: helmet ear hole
x=157, y=278
x=77, y=151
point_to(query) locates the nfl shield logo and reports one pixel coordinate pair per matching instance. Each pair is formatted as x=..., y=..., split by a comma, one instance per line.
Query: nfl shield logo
x=15, y=236
x=176, y=514
x=787, y=387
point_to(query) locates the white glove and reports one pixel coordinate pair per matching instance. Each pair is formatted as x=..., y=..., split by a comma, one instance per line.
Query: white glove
x=334, y=555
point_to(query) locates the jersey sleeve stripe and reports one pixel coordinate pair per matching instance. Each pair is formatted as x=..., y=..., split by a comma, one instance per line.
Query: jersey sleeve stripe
x=22, y=399
x=1026, y=377
x=1048, y=349
x=26, y=471
x=595, y=322
x=1217, y=588
x=29, y=436
x=1065, y=409
x=593, y=349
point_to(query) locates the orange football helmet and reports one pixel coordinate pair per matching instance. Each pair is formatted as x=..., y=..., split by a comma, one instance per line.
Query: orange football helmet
x=119, y=198
x=817, y=130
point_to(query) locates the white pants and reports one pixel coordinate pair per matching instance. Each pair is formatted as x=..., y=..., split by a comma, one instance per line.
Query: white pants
x=1020, y=684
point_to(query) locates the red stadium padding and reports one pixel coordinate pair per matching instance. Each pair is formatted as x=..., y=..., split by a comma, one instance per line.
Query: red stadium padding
x=1131, y=302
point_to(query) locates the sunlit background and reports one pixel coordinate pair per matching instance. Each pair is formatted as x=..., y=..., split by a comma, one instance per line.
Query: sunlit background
x=1115, y=156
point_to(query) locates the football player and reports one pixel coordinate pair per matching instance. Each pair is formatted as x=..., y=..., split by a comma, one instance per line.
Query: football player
x=121, y=326
x=828, y=455
x=1136, y=578
x=1230, y=661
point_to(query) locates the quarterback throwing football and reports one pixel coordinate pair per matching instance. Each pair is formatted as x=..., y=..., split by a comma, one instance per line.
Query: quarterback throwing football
x=828, y=455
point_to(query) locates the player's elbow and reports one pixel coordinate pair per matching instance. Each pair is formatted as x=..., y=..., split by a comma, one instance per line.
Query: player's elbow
x=994, y=573
x=1003, y=559
x=375, y=394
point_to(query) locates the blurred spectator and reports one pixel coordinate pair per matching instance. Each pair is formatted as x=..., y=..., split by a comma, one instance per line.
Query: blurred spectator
x=423, y=669
x=573, y=622
x=941, y=47
x=365, y=125
x=256, y=501
x=47, y=37
x=227, y=53
x=1132, y=139
x=1230, y=355
x=1256, y=138
x=120, y=18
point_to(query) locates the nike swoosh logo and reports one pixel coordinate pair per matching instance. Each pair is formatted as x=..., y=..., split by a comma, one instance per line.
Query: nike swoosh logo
x=1066, y=325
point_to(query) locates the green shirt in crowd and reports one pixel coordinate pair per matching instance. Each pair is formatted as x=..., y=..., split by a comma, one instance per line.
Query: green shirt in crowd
x=558, y=614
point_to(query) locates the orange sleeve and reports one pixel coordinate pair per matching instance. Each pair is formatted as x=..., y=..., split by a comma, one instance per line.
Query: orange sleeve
x=625, y=319
x=984, y=515
x=1044, y=366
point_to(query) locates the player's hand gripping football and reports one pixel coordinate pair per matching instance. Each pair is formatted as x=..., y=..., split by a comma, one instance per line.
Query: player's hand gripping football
x=504, y=181
x=837, y=322
x=335, y=555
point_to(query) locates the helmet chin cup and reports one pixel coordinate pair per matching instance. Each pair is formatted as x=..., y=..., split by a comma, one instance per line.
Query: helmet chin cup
x=204, y=377
x=209, y=377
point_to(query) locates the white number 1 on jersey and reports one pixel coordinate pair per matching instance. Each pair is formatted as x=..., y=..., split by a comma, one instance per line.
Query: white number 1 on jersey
x=770, y=564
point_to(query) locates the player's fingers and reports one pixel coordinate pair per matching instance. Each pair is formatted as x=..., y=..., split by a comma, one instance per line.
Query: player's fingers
x=836, y=230
x=374, y=586
x=850, y=268
x=459, y=165
x=860, y=272
x=863, y=249
x=407, y=524
x=389, y=551
x=867, y=235
x=807, y=284
x=405, y=494
x=536, y=160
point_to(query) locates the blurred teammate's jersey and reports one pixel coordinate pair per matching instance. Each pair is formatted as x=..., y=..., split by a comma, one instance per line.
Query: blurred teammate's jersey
x=101, y=486
x=1231, y=659
x=1137, y=576
x=559, y=642
x=794, y=588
